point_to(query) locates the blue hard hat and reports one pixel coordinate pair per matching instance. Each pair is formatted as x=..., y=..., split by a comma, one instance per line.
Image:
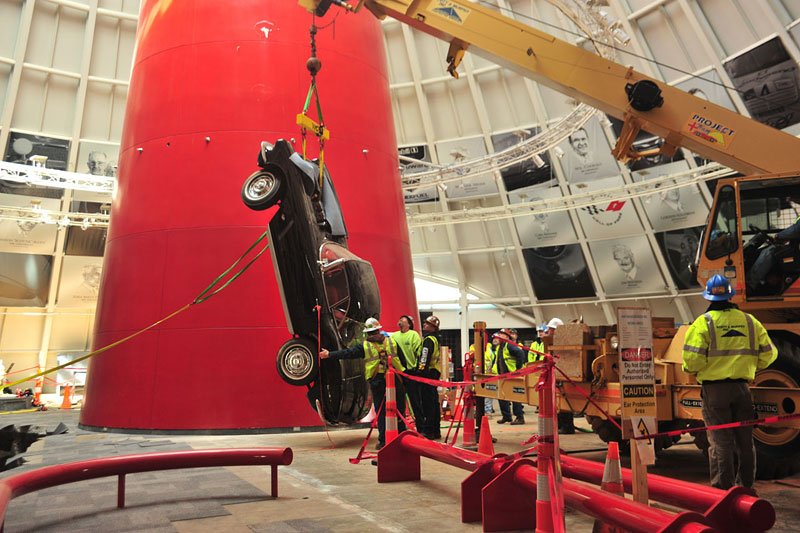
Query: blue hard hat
x=718, y=288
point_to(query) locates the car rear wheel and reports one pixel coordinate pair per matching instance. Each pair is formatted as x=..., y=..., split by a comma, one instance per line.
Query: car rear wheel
x=262, y=189
x=297, y=362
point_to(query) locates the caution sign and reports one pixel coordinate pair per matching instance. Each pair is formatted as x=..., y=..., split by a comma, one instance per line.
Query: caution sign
x=637, y=376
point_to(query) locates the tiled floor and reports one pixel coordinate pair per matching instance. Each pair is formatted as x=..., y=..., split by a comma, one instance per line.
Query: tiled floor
x=320, y=491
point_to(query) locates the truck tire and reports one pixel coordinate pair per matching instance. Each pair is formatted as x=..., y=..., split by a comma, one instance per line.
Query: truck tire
x=608, y=432
x=297, y=362
x=778, y=449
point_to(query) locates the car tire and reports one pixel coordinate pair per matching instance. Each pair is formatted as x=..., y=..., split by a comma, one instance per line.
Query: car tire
x=298, y=362
x=262, y=189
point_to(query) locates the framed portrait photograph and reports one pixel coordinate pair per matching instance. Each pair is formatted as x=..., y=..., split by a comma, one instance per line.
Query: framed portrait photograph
x=673, y=208
x=98, y=159
x=587, y=154
x=542, y=229
x=29, y=236
x=628, y=266
x=80, y=281
x=459, y=151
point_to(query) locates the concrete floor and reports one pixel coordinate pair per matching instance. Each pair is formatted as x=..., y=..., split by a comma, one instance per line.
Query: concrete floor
x=320, y=491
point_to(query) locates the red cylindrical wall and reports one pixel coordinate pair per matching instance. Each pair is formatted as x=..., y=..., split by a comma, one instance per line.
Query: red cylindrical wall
x=232, y=72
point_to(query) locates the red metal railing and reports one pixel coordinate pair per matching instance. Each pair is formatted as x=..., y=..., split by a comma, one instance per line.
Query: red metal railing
x=50, y=476
x=708, y=508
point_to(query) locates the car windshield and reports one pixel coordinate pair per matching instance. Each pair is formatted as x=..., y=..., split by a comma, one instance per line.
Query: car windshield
x=351, y=291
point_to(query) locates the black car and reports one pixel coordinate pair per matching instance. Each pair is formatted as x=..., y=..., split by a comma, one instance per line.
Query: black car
x=327, y=292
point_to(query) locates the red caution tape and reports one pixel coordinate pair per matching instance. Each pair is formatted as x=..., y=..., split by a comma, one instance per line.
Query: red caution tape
x=754, y=422
x=440, y=383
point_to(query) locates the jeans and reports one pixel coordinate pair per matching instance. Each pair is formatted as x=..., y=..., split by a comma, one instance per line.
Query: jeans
x=506, y=407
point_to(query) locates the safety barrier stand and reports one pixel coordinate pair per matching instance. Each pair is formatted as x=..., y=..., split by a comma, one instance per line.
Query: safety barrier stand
x=51, y=476
x=391, y=403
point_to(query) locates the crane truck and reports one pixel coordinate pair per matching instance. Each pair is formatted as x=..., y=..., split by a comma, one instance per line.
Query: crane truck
x=747, y=211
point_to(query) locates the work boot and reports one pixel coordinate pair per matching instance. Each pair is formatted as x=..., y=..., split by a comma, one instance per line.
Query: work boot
x=518, y=421
x=503, y=420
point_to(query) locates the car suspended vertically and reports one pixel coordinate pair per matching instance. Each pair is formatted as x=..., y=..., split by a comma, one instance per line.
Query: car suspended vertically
x=327, y=291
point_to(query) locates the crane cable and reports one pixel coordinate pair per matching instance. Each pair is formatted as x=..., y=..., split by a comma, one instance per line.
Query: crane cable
x=313, y=64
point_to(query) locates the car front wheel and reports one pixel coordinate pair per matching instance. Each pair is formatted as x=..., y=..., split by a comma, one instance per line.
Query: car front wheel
x=262, y=189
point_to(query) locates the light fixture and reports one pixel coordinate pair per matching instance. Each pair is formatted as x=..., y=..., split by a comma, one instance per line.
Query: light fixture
x=559, y=152
x=442, y=187
x=620, y=36
x=538, y=161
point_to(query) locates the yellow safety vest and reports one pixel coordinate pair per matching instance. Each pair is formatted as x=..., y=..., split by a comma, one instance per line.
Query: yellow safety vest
x=511, y=363
x=727, y=344
x=534, y=357
x=411, y=343
x=375, y=355
x=435, y=360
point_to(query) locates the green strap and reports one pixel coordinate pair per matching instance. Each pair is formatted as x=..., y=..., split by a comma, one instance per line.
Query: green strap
x=206, y=293
x=312, y=90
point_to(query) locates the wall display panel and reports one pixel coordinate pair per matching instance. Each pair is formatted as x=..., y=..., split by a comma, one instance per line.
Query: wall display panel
x=611, y=218
x=673, y=208
x=80, y=281
x=22, y=146
x=98, y=159
x=85, y=241
x=627, y=266
x=646, y=141
x=558, y=272
x=542, y=229
x=588, y=154
x=526, y=173
x=707, y=86
x=30, y=236
x=768, y=80
x=24, y=279
x=679, y=248
x=496, y=96
x=423, y=193
x=461, y=150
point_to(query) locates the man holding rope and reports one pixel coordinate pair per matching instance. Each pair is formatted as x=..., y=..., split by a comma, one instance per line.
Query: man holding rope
x=724, y=348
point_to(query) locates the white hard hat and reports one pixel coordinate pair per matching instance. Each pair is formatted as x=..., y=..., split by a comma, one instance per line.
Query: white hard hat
x=372, y=325
x=555, y=322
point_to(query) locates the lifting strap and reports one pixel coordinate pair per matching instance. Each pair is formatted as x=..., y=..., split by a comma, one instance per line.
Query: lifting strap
x=305, y=122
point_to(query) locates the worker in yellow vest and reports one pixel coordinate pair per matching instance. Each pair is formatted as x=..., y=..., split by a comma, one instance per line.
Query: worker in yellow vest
x=725, y=347
x=375, y=350
x=429, y=365
x=411, y=343
x=506, y=358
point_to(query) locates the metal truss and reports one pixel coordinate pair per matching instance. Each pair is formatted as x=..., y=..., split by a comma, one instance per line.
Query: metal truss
x=47, y=177
x=573, y=201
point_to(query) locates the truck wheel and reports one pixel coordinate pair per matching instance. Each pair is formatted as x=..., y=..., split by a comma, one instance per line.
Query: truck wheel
x=607, y=432
x=262, y=189
x=297, y=361
x=778, y=449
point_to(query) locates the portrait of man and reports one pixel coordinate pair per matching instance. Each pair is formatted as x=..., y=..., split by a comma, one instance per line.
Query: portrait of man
x=91, y=278
x=97, y=162
x=626, y=261
x=672, y=199
x=579, y=141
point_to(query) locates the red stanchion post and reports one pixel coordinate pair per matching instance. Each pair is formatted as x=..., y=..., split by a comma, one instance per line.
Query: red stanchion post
x=391, y=403
x=546, y=450
x=468, y=439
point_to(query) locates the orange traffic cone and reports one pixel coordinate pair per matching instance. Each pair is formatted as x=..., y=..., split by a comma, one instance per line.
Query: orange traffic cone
x=612, y=482
x=67, y=402
x=37, y=391
x=485, y=445
x=468, y=417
